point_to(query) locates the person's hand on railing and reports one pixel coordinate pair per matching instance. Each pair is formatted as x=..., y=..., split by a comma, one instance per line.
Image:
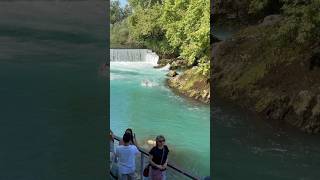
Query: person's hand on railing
x=160, y=167
x=164, y=166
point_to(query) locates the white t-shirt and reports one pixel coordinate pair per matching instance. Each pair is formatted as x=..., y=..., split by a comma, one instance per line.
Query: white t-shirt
x=127, y=155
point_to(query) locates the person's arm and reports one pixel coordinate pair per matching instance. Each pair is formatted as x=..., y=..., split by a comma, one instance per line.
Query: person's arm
x=166, y=163
x=121, y=142
x=164, y=166
x=136, y=150
x=153, y=163
x=135, y=140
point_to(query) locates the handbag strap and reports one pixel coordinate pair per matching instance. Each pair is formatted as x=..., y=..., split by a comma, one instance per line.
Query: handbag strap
x=162, y=156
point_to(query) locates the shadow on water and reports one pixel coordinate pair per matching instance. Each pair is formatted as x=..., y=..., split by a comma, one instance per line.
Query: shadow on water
x=53, y=100
x=253, y=148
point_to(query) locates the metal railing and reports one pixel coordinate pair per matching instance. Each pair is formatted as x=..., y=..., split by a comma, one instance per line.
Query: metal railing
x=145, y=153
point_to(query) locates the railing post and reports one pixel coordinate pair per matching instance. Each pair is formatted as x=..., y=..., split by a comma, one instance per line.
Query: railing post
x=142, y=166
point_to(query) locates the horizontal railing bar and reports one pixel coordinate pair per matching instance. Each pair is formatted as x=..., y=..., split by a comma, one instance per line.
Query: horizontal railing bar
x=114, y=176
x=169, y=165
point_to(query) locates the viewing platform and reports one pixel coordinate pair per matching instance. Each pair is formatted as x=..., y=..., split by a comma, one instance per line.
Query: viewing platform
x=173, y=171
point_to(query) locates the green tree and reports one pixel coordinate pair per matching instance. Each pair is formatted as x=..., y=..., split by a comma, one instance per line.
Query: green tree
x=145, y=27
x=115, y=11
x=302, y=21
x=173, y=27
x=187, y=26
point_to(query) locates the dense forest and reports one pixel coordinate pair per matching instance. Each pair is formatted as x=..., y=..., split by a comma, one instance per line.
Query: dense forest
x=171, y=28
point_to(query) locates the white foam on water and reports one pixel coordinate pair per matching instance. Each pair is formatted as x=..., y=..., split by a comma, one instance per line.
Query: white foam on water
x=148, y=83
x=114, y=76
x=129, y=65
x=165, y=68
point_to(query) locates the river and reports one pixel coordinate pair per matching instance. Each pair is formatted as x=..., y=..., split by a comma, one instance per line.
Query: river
x=53, y=99
x=152, y=109
x=248, y=147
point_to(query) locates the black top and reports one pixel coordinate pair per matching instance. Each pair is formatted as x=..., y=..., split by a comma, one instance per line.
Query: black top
x=157, y=155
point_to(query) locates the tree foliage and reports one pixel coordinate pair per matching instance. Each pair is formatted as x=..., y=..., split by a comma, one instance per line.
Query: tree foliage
x=119, y=36
x=145, y=27
x=118, y=14
x=187, y=26
x=302, y=22
x=173, y=26
x=168, y=27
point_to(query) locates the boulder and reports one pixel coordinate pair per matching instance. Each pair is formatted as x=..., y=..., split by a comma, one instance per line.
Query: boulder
x=172, y=73
x=164, y=62
x=173, y=65
x=271, y=20
x=302, y=102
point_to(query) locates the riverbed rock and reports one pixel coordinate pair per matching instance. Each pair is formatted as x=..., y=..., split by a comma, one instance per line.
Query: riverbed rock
x=173, y=65
x=302, y=102
x=162, y=62
x=271, y=20
x=172, y=73
x=192, y=84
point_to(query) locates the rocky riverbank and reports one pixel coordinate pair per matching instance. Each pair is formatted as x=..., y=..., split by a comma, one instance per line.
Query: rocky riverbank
x=189, y=82
x=280, y=82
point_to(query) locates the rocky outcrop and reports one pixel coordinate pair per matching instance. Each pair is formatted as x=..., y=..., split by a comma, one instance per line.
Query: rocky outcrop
x=191, y=84
x=271, y=20
x=275, y=81
x=172, y=73
x=163, y=61
x=175, y=63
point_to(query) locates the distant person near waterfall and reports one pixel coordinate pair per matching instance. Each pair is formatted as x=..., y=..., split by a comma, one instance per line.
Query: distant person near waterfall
x=158, y=158
x=126, y=154
x=133, y=140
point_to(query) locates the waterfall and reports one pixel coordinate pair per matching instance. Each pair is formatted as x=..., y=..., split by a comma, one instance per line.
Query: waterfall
x=133, y=55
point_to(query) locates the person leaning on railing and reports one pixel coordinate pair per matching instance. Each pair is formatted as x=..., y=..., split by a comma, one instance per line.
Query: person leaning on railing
x=133, y=140
x=158, y=158
x=126, y=159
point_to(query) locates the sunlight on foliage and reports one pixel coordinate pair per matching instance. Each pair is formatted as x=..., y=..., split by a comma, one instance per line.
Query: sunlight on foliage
x=169, y=27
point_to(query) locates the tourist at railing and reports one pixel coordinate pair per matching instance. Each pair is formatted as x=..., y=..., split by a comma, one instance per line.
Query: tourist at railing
x=158, y=158
x=126, y=155
x=133, y=140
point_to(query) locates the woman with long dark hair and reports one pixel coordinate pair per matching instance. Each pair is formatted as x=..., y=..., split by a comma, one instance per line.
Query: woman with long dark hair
x=133, y=140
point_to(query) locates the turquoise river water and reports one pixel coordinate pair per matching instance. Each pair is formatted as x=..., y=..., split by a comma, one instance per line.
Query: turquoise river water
x=154, y=109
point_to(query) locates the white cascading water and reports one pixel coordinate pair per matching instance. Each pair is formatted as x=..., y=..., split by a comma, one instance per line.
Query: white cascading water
x=133, y=55
x=152, y=57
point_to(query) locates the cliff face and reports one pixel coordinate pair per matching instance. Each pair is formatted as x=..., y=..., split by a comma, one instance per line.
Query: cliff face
x=280, y=82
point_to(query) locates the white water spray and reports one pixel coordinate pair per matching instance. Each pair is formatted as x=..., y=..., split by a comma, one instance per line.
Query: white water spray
x=134, y=55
